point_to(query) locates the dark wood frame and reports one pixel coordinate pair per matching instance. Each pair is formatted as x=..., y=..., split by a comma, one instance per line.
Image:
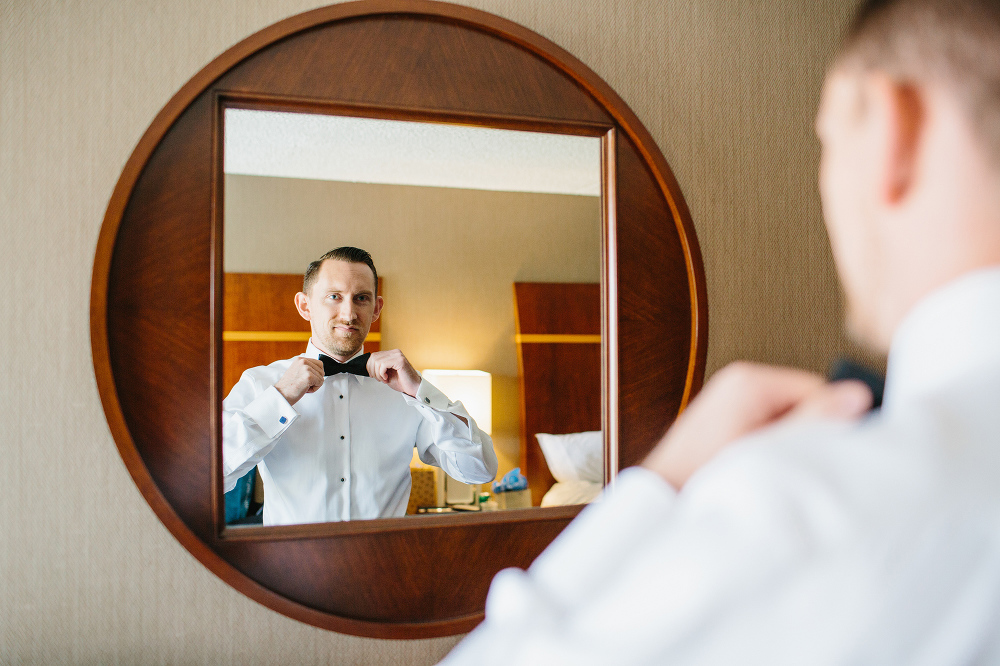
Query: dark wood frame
x=156, y=308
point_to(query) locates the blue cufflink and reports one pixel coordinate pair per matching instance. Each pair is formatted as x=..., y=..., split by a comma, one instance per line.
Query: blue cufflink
x=282, y=419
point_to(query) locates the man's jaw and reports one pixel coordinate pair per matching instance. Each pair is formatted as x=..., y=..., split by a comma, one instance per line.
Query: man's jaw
x=341, y=343
x=865, y=329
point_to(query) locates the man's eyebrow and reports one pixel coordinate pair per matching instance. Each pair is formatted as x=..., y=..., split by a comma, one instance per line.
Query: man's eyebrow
x=338, y=290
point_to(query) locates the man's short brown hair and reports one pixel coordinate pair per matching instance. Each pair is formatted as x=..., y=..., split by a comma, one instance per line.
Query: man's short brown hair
x=952, y=42
x=354, y=255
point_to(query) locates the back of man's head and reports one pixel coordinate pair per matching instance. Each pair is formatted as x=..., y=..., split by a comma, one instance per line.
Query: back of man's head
x=955, y=43
x=910, y=175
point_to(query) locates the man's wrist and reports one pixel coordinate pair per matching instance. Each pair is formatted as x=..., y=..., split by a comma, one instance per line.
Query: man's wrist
x=289, y=397
x=415, y=385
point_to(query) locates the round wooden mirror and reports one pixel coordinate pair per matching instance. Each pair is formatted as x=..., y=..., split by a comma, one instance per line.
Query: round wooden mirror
x=156, y=300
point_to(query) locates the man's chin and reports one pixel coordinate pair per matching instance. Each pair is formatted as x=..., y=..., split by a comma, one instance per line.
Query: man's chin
x=349, y=347
x=341, y=348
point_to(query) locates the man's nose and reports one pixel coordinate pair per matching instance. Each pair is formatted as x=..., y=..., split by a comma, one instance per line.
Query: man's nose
x=348, y=313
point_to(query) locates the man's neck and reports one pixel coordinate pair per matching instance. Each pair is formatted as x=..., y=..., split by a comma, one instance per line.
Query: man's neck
x=340, y=358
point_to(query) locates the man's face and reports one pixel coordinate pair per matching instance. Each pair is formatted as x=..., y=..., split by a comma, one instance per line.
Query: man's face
x=340, y=307
x=847, y=183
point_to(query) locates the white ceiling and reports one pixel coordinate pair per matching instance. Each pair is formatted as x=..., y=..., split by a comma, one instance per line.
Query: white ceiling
x=363, y=150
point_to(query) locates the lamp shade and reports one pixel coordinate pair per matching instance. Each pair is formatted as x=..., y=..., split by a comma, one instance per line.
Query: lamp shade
x=473, y=387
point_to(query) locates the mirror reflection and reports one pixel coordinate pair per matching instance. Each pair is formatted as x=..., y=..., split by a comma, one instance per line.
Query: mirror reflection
x=463, y=296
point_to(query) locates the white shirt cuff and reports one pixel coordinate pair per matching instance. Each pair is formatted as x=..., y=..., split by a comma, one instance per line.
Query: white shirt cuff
x=430, y=395
x=271, y=412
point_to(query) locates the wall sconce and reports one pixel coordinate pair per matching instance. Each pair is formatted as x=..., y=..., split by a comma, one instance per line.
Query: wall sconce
x=473, y=387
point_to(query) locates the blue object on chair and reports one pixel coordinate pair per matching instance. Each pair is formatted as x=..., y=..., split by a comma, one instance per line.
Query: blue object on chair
x=238, y=499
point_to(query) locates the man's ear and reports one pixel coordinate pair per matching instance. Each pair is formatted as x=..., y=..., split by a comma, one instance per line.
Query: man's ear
x=302, y=305
x=378, y=307
x=902, y=107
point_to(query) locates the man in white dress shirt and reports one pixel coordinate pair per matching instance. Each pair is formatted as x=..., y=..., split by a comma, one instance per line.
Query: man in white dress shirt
x=332, y=431
x=774, y=524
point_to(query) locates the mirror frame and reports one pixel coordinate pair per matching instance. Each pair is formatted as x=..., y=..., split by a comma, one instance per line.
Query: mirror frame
x=156, y=310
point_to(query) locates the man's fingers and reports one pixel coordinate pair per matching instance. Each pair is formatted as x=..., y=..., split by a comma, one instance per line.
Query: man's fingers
x=315, y=374
x=376, y=369
x=780, y=388
x=844, y=400
x=739, y=399
x=751, y=396
x=391, y=368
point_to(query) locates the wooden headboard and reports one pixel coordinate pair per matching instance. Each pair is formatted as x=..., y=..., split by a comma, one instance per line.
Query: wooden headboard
x=558, y=336
x=261, y=325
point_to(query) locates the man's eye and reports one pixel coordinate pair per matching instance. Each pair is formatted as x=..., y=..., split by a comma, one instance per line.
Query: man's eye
x=333, y=297
x=362, y=298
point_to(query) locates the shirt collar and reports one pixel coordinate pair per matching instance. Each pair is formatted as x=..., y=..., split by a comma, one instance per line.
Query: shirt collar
x=950, y=335
x=312, y=351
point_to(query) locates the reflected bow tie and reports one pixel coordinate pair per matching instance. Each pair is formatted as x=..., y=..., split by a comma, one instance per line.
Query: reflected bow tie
x=356, y=366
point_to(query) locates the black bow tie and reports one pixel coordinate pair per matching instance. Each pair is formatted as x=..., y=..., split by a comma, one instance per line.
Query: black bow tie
x=356, y=366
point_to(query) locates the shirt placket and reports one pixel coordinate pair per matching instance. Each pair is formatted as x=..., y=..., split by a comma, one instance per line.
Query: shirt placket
x=339, y=464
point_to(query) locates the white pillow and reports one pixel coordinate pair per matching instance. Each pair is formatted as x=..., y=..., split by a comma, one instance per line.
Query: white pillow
x=578, y=456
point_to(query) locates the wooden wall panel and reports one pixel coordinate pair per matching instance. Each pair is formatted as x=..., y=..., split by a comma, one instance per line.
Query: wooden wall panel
x=560, y=381
x=262, y=302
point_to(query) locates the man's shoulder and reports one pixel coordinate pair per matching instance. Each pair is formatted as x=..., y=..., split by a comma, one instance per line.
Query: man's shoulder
x=871, y=474
x=830, y=454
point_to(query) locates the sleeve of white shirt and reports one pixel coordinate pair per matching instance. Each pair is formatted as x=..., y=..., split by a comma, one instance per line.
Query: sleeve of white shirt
x=651, y=576
x=253, y=418
x=528, y=607
x=461, y=449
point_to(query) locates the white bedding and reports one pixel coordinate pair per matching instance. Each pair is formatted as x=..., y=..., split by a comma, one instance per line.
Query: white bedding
x=564, y=493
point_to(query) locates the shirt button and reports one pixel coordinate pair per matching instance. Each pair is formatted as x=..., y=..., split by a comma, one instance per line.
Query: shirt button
x=341, y=397
x=427, y=400
x=342, y=437
x=341, y=479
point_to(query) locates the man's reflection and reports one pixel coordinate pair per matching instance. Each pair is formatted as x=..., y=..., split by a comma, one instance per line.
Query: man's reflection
x=332, y=431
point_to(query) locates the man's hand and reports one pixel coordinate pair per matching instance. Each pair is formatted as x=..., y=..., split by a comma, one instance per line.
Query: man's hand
x=304, y=375
x=392, y=368
x=742, y=398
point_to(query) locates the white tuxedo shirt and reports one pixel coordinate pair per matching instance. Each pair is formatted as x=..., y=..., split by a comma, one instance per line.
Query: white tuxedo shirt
x=816, y=543
x=344, y=451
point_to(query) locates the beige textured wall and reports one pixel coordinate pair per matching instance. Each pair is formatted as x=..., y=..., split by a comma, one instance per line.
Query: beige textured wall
x=728, y=90
x=447, y=257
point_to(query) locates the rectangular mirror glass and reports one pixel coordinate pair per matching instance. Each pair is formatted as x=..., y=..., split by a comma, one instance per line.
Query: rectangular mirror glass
x=488, y=248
